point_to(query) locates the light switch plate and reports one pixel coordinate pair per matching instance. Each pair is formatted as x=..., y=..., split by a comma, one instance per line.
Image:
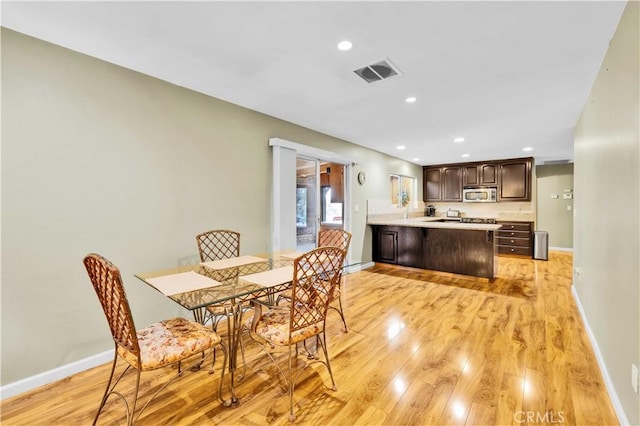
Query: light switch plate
x=554, y=196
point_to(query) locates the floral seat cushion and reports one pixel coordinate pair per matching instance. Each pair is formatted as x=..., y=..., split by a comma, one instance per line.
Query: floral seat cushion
x=217, y=310
x=169, y=341
x=273, y=326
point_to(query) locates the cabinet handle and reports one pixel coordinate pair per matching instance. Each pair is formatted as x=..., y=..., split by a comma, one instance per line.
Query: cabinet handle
x=513, y=249
x=511, y=241
x=513, y=233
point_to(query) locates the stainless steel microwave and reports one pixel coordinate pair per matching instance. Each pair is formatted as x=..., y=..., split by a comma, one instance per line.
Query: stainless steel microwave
x=479, y=195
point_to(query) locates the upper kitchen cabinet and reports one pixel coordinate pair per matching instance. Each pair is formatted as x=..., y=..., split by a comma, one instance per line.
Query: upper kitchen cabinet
x=452, y=183
x=511, y=177
x=432, y=185
x=443, y=183
x=480, y=174
x=515, y=180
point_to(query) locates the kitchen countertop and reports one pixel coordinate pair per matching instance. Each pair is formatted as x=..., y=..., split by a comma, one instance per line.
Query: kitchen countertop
x=432, y=222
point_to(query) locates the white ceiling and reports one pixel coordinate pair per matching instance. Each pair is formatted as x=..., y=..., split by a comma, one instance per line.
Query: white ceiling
x=503, y=75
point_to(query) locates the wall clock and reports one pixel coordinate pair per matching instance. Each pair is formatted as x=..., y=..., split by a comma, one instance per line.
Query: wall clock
x=361, y=178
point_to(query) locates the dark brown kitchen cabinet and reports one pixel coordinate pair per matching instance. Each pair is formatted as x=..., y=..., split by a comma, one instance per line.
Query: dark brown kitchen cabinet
x=443, y=183
x=385, y=245
x=432, y=189
x=452, y=183
x=514, y=180
x=399, y=245
x=480, y=174
x=460, y=251
x=515, y=238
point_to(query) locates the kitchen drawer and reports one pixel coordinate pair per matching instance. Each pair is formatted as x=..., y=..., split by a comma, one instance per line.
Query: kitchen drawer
x=514, y=238
x=516, y=234
x=514, y=250
x=508, y=226
x=520, y=242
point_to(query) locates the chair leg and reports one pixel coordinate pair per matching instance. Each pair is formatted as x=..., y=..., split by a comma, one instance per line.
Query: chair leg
x=323, y=342
x=106, y=391
x=135, y=401
x=341, y=312
x=292, y=415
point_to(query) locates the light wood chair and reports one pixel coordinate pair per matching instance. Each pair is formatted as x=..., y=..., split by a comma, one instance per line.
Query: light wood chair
x=315, y=278
x=159, y=345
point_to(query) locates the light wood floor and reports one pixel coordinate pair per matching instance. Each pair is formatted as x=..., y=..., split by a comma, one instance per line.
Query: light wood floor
x=423, y=348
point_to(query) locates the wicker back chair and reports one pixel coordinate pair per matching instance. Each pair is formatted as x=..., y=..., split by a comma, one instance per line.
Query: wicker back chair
x=338, y=238
x=218, y=244
x=159, y=345
x=315, y=277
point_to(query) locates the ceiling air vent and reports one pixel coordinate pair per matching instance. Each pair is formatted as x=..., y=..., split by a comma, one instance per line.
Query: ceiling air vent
x=377, y=71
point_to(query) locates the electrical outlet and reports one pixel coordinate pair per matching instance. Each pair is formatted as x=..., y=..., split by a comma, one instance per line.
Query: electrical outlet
x=578, y=273
x=634, y=377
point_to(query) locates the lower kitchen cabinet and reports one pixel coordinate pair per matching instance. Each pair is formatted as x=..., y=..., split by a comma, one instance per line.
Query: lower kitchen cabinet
x=460, y=251
x=398, y=245
x=515, y=238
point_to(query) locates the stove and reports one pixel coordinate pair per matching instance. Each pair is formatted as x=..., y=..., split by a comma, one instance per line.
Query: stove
x=477, y=220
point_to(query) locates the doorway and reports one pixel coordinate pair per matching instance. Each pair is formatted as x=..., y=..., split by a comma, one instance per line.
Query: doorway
x=310, y=189
x=320, y=199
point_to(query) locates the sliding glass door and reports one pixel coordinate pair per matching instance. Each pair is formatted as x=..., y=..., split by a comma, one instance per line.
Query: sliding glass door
x=310, y=193
x=320, y=199
x=307, y=197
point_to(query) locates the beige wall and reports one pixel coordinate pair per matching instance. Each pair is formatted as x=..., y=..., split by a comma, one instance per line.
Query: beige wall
x=606, y=232
x=552, y=214
x=100, y=158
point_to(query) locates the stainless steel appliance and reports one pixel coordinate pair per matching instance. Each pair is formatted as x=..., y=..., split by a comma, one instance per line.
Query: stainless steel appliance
x=430, y=211
x=478, y=220
x=541, y=245
x=479, y=195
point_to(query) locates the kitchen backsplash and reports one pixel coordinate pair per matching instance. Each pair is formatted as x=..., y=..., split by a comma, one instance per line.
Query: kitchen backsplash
x=518, y=211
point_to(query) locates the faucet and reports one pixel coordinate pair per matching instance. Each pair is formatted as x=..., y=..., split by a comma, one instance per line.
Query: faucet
x=405, y=214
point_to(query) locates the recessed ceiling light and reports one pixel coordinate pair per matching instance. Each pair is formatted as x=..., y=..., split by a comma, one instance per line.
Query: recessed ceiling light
x=400, y=147
x=458, y=140
x=345, y=45
x=410, y=100
x=465, y=155
x=527, y=148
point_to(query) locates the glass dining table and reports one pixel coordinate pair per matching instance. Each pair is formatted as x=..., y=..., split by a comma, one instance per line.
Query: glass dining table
x=229, y=284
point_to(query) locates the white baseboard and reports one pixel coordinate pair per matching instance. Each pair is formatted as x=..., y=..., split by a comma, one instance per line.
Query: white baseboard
x=617, y=405
x=561, y=249
x=51, y=376
x=360, y=267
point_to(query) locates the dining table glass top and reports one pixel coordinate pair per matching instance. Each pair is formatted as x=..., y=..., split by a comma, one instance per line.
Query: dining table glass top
x=229, y=281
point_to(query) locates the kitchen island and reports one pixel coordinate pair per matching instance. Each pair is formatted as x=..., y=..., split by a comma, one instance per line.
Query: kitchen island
x=436, y=243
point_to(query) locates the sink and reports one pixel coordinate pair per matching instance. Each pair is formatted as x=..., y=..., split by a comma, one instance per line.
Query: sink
x=448, y=220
